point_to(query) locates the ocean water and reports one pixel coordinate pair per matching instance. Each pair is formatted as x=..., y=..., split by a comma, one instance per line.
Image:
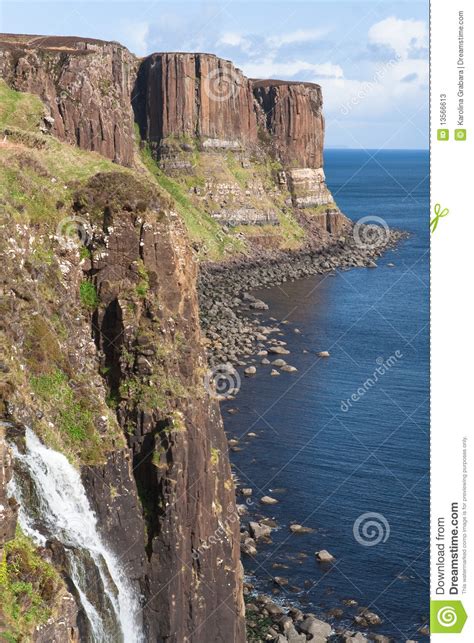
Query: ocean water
x=332, y=465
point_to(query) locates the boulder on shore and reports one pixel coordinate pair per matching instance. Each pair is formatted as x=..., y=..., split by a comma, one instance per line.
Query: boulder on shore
x=289, y=369
x=278, y=350
x=318, y=630
x=257, y=530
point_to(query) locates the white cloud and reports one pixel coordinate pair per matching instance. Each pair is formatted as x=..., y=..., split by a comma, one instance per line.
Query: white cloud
x=136, y=37
x=255, y=45
x=271, y=68
x=379, y=95
x=400, y=35
x=232, y=39
x=295, y=37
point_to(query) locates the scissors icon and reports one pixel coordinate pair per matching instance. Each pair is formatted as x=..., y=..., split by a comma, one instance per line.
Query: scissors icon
x=438, y=215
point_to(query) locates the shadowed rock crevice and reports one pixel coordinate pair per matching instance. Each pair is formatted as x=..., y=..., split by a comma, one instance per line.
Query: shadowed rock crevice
x=111, y=340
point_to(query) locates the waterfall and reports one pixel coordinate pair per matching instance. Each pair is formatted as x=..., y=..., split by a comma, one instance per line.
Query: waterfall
x=54, y=507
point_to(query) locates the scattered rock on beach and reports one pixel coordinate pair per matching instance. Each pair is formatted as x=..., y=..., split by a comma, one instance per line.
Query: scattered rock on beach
x=278, y=350
x=318, y=630
x=279, y=362
x=257, y=530
x=248, y=547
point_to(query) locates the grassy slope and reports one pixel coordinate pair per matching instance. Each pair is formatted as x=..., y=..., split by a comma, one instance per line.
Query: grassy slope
x=38, y=178
x=30, y=589
x=19, y=110
x=212, y=242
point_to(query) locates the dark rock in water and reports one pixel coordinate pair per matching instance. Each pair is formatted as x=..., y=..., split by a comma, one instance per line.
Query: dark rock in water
x=366, y=618
x=300, y=529
x=279, y=566
x=323, y=556
x=267, y=500
x=336, y=612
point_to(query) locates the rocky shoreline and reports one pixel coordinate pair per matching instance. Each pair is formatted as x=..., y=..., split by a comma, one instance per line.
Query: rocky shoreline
x=229, y=313
x=236, y=337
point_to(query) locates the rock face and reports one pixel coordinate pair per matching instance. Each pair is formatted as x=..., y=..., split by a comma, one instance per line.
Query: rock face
x=85, y=85
x=8, y=509
x=195, y=95
x=62, y=629
x=308, y=187
x=191, y=108
x=190, y=576
x=293, y=118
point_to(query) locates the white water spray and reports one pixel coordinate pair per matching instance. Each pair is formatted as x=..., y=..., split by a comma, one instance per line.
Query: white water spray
x=62, y=513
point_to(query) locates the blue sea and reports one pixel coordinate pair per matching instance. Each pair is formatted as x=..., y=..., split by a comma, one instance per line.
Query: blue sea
x=335, y=466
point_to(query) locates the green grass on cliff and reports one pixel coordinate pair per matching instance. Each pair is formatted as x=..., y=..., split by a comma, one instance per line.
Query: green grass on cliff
x=208, y=236
x=19, y=110
x=37, y=185
x=256, y=185
x=30, y=589
x=39, y=177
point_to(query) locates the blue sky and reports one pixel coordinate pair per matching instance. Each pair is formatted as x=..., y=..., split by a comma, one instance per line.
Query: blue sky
x=371, y=58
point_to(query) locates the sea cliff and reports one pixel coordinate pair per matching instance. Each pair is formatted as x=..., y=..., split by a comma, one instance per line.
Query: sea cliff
x=120, y=177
